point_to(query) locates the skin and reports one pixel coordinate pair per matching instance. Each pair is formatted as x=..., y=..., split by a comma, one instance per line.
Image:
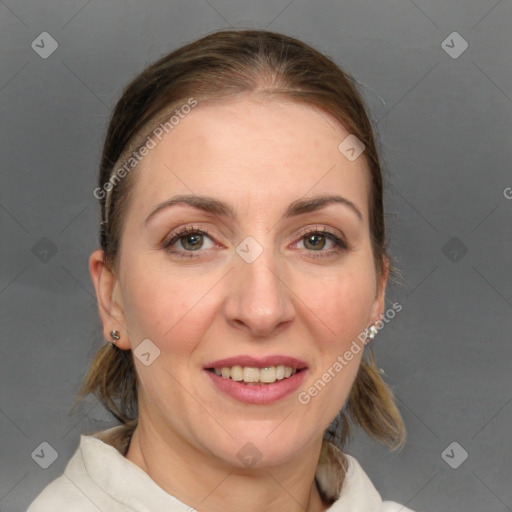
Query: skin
x=257, y=155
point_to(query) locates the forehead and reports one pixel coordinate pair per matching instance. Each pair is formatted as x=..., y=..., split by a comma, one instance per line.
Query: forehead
x=251, y=152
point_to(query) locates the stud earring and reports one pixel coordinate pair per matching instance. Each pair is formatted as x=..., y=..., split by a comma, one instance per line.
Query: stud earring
x=370, y=332
x=115, y=335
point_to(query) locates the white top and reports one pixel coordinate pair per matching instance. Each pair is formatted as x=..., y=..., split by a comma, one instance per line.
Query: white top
x=98, y=478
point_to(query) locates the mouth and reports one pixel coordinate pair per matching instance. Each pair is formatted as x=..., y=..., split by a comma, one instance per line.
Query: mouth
x=257, y=381
x=254, y=375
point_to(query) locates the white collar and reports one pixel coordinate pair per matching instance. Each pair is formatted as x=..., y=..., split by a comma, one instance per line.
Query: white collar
x=130, y=485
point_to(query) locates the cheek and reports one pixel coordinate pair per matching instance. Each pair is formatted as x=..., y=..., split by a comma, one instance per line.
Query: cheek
x=166, y=308
x=153, y=300
x=342, y=303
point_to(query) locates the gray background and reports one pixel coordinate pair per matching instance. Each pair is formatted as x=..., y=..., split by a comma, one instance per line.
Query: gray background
x=445, y=128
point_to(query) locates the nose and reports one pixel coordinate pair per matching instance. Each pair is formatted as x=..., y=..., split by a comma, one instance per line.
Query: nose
x=259, y=300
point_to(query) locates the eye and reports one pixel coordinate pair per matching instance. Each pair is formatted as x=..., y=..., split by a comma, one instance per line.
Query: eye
x=190, y=239
x=315, y=240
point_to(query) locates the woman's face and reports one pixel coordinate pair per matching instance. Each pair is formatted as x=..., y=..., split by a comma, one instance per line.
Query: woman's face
x=267, y=286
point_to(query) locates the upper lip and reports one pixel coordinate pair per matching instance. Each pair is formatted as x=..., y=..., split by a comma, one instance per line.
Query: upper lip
x=258, y=362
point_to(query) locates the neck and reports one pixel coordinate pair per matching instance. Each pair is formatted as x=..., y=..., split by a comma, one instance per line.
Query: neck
x=174, y=464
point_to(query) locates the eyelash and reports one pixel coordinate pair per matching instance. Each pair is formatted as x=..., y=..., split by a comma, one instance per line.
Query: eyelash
x=340, y=244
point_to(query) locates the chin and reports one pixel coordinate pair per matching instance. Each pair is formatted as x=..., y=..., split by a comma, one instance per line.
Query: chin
x=257, y=449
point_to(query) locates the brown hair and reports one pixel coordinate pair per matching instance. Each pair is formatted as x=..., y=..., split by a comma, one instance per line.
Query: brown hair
x=214, y=67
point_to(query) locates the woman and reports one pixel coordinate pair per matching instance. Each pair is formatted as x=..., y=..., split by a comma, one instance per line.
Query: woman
x=241, y=273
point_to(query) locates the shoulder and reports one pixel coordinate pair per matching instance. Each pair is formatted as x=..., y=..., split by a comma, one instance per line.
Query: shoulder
x=62, y=494
x=385, y=506
x=74, y=490
x=342, y=479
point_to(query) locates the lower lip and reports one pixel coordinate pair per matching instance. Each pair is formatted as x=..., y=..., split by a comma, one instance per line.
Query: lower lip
x=258, y=393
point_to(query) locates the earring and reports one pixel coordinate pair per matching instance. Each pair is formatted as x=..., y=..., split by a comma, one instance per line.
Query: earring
x=370, y=332
x=115, y=335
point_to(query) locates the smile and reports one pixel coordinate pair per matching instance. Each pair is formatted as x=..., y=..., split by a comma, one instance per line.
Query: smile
x=253, y=375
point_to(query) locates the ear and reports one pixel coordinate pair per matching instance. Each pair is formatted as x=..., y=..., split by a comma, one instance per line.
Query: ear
x=379, y=303
x=109, y=298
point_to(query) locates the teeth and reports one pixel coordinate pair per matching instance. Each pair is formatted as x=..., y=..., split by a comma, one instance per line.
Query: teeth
x=251, y=375
x=268, y=374
x=237, y=373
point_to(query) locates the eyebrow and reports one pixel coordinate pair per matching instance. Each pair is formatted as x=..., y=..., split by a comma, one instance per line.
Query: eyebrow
x=216, y=207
